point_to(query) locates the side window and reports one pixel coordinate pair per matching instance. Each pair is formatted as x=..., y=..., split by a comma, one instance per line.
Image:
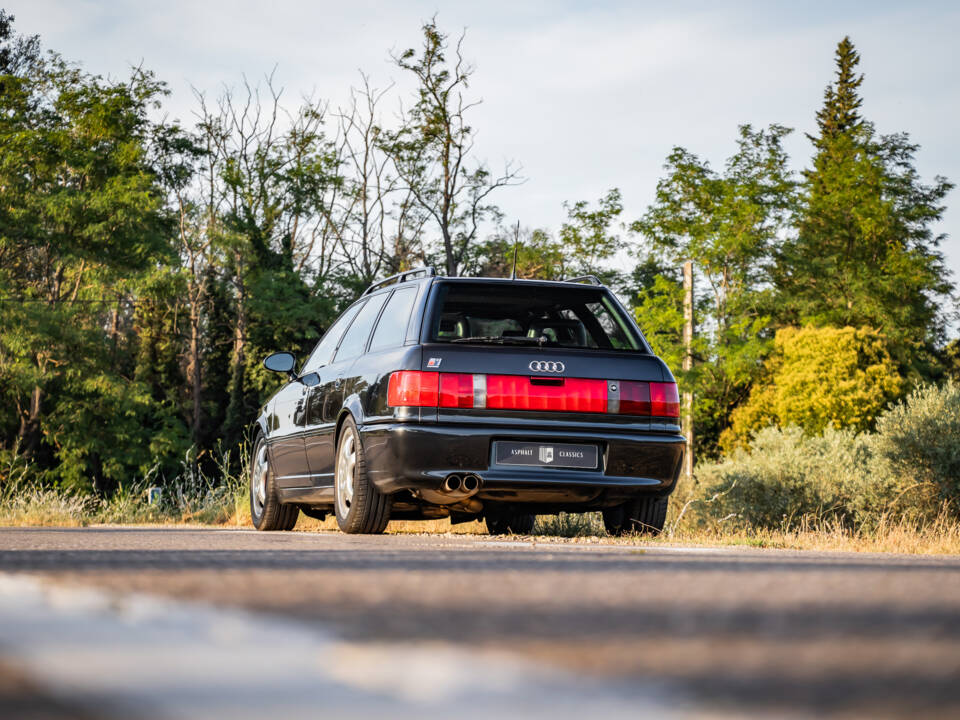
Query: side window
x=324, y=349
x=356, y=337
x=616, y=334
x=392, y=329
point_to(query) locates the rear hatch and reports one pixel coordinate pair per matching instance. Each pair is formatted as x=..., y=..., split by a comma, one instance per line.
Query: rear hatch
x=533, y=353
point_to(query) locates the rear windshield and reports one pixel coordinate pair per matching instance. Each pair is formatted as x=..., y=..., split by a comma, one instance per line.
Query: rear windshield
x=522, y=314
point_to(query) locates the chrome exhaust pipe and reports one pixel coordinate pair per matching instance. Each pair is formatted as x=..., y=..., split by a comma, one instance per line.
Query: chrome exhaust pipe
x=470, y=483
x=452, y=483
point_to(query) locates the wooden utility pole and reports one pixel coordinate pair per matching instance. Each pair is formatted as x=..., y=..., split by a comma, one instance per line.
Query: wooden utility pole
x=687, y=366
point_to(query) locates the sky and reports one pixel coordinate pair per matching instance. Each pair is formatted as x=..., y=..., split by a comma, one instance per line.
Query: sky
x=585, y=96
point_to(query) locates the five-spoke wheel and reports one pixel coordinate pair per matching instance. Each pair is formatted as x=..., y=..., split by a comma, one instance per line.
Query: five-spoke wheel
x=361, y=508
x=266, y=510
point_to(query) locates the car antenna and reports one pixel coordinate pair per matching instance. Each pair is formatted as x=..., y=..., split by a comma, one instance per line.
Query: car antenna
x=516, y=246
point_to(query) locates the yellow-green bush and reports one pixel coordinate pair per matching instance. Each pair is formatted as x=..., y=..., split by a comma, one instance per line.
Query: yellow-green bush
x=819, y=378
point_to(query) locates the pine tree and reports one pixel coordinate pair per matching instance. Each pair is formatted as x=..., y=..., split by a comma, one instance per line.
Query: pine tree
x=841, y=100
x=864, y=254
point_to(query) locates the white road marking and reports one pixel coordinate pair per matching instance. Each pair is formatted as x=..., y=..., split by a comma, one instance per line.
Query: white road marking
x=141, y=656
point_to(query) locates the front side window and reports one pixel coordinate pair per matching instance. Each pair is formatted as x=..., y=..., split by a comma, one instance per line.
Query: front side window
x=324, y=349
x=355, y=340
x=521, y=314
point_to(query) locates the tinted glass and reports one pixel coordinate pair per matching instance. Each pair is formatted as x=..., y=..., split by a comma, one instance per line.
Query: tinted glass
x=392, y=328
x=518, y=314
x=324, y=349
x=356, y=338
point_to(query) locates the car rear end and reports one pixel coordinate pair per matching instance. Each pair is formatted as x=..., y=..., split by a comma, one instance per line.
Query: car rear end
x=541, y=393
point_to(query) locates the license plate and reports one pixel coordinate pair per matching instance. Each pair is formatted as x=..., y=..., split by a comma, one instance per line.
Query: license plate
x=546, y=454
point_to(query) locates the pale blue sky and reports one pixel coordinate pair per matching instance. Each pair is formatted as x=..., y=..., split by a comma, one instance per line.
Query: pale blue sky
x=586, y=96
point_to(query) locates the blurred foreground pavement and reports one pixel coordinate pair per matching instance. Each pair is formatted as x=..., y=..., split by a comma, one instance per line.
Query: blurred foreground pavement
x=174, y=622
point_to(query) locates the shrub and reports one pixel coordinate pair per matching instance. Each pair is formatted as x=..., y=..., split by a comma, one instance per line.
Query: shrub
x=819, y=378
x=919, y=439
x=907, y=471
x=787, y=477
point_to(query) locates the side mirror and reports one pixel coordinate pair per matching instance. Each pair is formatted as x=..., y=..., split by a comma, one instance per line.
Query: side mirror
x=281, y=362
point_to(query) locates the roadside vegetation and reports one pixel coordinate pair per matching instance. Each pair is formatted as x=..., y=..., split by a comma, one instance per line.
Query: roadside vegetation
x=146, y=267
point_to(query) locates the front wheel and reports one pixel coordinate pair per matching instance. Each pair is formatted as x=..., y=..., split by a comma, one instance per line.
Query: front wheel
x=644, y=516
x=265, y=509
x=361, y=508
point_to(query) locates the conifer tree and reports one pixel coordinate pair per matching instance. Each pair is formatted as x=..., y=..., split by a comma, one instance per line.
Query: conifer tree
x=864, y=253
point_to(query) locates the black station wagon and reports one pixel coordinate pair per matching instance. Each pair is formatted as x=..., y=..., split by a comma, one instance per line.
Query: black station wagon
x=471, y=398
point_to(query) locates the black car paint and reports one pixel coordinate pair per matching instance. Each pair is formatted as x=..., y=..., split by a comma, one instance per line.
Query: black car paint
x=411, y=449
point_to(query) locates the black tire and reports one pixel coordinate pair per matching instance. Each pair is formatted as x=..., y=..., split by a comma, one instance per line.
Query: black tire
x=644, y=516
x=509, y=521
x=363, y=509
x=266, y=511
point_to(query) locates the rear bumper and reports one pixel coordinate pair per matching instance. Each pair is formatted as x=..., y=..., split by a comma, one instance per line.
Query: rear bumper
x=412, y=456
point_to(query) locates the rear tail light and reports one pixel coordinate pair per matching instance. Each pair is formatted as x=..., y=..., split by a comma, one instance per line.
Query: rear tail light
x=456, y=390
x=664, y=400
x=413, y=388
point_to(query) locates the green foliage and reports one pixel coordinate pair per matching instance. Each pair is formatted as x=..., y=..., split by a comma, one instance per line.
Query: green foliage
x=905, y=471
x=584, y=245
x=587, y=239
x=920, y=439
x=83, y=217
x=727, y=224
x=819, y=378
x=865, y=253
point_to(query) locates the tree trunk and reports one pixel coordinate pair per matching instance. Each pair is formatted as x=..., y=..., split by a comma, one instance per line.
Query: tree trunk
x=688, y=461
x=194, y=369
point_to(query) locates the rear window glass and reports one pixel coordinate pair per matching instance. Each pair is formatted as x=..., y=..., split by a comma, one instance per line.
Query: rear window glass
x=520, y=314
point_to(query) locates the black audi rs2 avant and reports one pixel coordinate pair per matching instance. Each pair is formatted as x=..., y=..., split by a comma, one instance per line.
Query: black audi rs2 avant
x=471, y=398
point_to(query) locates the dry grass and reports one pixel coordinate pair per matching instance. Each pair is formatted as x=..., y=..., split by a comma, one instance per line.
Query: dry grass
x=227, y=504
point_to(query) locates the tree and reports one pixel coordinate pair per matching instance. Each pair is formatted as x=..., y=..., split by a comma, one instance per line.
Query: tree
x=841, y=100
x=819, y=378
x=433, y=149
x=729, y=225
x=864, y=253
x=83, y=218
x=265, y=210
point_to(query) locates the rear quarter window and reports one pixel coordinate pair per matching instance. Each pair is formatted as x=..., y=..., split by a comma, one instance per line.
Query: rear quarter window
x=392, y=327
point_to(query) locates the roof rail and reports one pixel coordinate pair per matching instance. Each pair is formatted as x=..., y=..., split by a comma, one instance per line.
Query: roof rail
x=401, y=277
x=592, y=279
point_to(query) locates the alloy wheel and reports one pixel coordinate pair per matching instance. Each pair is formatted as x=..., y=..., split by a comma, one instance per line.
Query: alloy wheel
x=346, y=472
x=258, y=480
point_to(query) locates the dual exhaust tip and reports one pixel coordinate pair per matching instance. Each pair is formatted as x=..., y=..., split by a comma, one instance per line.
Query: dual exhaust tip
x=455, y=483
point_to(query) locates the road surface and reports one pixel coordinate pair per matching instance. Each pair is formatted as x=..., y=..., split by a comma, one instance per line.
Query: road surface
x=691, y=631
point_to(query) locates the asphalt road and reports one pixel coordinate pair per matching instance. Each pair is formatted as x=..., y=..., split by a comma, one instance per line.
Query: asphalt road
x=726, y=631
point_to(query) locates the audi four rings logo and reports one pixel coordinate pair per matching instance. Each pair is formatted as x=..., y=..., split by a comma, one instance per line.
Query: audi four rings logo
x=547, y=366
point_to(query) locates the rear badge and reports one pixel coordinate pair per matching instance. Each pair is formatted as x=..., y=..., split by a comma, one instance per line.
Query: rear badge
x=554, y=366
x=434, y=362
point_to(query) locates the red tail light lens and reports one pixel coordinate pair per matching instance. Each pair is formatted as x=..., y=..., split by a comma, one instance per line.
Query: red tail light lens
x=634, y=398
x=456, y=390
x=519, y=392
x=664, y=400
x=413, y=388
